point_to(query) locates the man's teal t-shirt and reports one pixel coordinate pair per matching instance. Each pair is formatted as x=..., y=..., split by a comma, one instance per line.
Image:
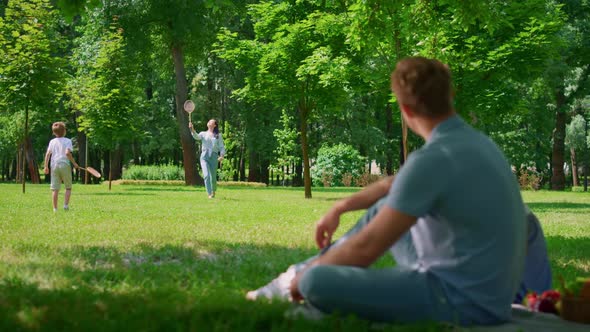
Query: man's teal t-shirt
x=471, y=230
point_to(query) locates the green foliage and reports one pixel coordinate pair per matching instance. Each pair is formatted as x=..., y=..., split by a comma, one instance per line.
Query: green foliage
x=576, y=133
x=181, y=182
x=574, y=287
x=286, y=147
x=159, y=172
x=336, y=163
x=103, y=89
x=31, y=72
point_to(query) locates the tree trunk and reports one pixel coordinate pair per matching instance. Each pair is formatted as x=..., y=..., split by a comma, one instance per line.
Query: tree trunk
x=404, y=144
x=557, y=157
x=265, y=176
x=82, y=154
x=117, y=163
x=575, y=178
x=242, y=170
x=304, y=112
x=253, y=167
x=106, y=156
x=297, y=177
x=32, y=162
x=389, y=135
x=14, y=169
x=189, y=153
x=24, y=156
x=19, y=162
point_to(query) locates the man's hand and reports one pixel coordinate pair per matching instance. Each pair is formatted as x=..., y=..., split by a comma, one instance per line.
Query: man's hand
x=46, y=170
x=294, y=288
x=326, y=227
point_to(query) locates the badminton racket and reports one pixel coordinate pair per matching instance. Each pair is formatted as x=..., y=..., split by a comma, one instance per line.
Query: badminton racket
x=189, y=107
x=90, y=170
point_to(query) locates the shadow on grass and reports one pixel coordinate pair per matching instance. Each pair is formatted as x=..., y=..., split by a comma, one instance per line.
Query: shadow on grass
x=191, y=287
x=569, y=257
x=198, y=286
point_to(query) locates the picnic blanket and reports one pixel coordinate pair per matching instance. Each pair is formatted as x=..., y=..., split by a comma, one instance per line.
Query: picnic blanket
x=524, y=320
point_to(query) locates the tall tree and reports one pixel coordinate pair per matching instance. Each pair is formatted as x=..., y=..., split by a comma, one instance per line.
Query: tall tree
x=31, y=73
x=569, y=78
x=173, y=27
x=105, y=90
x=296, y=60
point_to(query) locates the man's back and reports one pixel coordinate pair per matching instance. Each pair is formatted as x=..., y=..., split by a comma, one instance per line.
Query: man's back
x=471, y=227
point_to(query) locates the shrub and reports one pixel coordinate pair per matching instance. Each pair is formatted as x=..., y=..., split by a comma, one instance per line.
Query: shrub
x=181, y=183
x=366, y=179
x=327, y=179
x=156, y=172
x=333, y=162
x=347, y=179
x=529, y=179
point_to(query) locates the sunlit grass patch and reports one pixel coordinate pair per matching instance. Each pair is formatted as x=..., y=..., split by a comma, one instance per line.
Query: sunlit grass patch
x=145, y=258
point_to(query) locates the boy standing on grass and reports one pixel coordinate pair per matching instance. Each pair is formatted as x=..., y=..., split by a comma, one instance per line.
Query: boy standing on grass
x=60, y=151
x=452, y=217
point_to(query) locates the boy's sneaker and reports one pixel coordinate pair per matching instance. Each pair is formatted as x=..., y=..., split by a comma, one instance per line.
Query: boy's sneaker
x=66, y=208
x=276, y=289
x=54, y=210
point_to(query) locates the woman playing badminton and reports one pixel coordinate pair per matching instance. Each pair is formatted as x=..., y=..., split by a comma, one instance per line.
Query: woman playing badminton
x=212, y=151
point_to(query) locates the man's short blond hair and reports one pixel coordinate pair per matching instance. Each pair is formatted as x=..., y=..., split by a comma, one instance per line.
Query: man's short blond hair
x=424, y=85
x=59, y=129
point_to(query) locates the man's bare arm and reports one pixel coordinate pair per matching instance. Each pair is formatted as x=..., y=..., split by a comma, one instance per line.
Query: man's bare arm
x=366, y=246
x=363, y=199
x=366, y=197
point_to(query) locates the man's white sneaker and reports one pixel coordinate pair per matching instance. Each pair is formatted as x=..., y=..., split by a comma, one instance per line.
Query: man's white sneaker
x=278, y=288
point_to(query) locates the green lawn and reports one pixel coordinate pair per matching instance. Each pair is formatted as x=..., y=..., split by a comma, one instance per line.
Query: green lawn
x=166, y=258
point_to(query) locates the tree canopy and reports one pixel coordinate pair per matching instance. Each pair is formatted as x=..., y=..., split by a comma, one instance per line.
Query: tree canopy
x=288, y=79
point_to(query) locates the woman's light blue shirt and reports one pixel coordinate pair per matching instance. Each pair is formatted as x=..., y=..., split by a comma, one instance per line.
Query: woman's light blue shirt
x=209, y=143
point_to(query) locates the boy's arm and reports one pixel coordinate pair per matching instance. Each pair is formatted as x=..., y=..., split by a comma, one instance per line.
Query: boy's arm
x=71, y=158
x=46, y=162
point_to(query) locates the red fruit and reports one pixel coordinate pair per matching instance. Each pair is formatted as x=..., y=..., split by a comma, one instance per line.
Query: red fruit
x=552, y=295
x=530, y=300
x=546, y=305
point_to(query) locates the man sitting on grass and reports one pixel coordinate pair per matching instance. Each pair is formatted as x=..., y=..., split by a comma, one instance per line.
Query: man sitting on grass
x=453, y=219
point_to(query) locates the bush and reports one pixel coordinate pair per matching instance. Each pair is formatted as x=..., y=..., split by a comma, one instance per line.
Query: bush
x=334, y=162
x=181, y=183
x=529, y=179
x=156, y=172
x=347, y=179
x=366, y=179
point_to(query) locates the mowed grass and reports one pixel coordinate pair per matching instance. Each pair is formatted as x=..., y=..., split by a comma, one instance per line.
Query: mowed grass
x=167, y=258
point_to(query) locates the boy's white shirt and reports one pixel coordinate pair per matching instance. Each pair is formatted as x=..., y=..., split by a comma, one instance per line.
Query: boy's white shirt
x=58, y=147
